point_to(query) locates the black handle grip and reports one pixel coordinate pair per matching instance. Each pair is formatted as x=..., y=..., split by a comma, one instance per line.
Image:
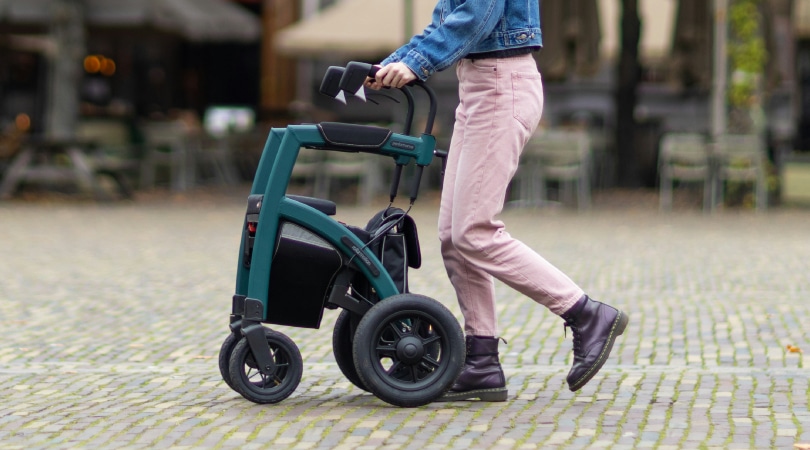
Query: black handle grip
x=330, y=85
x=355, y=75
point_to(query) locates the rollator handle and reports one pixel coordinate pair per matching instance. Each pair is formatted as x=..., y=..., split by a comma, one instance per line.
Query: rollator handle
x=355, y=76
x=330, y=85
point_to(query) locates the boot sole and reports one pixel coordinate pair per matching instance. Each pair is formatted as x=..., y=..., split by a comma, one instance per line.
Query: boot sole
x=618, y=328
x=485, y=395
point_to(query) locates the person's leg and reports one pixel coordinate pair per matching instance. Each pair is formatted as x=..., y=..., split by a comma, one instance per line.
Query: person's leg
x=501, y=104
x=468, y=280
x=482, y=376
x=501, y=101
x=484, y=154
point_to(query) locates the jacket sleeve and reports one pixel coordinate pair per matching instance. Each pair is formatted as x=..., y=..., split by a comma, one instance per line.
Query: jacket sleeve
x=445, y=42
x=400, y=53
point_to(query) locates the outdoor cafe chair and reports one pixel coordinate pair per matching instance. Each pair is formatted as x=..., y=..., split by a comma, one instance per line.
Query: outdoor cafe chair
x=555, y=156
x=167, y=144
x=684, y=158
x=740, y=158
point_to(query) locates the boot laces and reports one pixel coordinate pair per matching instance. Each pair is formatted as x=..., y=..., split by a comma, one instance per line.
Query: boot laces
x=577, y=335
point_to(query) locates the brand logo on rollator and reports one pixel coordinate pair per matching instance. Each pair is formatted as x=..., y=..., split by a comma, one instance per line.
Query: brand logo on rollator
x=359, y=253
x=402, y=145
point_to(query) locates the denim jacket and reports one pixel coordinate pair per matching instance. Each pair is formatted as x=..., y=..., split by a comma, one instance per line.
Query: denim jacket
x=463, y=27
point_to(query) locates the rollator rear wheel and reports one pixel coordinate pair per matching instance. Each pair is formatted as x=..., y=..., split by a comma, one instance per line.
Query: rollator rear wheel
x=342, y=348
x=272, y=388
x=408, y=350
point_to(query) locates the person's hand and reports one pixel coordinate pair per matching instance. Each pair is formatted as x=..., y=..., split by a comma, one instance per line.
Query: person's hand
x=393, y=75
x=374, y=83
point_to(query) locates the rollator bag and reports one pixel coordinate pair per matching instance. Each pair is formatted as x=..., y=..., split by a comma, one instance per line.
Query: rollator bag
x=394, y=240
x=303, y=270
x=305, y=265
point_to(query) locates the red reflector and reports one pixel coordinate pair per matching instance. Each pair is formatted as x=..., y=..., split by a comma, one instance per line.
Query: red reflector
x=252, y=227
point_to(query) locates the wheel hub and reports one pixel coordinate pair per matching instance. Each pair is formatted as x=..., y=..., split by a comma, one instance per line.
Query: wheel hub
x=410, y=350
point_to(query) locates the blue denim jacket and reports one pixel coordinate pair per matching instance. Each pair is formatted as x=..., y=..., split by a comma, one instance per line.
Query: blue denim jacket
x=463, y=27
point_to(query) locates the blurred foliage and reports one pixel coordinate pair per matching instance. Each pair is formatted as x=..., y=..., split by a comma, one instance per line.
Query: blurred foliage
x=747, y=52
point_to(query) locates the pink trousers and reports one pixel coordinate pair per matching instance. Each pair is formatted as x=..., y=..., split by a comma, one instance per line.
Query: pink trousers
x=501, y=101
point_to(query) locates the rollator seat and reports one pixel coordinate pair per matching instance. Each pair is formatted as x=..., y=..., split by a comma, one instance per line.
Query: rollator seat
x=327, y=207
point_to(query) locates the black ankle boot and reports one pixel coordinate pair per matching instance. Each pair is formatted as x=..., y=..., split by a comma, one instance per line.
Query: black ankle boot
x=595, y=327
x=482, y=376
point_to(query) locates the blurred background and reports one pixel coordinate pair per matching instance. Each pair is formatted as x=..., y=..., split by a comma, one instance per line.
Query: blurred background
x=177, y=94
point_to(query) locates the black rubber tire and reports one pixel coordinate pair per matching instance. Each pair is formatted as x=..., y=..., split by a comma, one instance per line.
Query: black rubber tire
x=342, y=348
x=258, y=388
x=408, y=350
x=225, y=357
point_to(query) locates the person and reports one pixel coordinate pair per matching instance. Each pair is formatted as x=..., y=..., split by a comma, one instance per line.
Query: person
x=500, y=104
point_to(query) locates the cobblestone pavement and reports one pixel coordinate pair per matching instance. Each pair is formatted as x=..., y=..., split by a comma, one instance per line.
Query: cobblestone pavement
x=113, y=315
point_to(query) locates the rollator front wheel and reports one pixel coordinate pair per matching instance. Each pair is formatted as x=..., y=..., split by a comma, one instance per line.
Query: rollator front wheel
x=225, y=357
x=257, y=387
x=408, y=350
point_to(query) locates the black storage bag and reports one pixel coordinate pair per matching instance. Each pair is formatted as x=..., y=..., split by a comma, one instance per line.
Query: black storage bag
x=392, y=237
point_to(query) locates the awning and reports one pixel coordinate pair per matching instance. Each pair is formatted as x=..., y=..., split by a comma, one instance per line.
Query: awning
x=801, y=18
x=195, y=20
x=370, y=28
x=355, y=28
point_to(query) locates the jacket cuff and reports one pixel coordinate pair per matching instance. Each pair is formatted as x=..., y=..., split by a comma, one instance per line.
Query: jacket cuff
x=391, y=59
x=419, y=65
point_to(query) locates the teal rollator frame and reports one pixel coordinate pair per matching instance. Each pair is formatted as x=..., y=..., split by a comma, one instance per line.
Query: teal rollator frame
x=295, y=261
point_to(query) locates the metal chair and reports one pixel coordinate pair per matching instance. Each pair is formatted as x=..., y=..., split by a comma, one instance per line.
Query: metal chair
x=214, y=158
x=361, y=167
x=111, y=151
x=308, y=170
x=167, y=144
x=741, y=158
x=555, y=156
x=684, y=158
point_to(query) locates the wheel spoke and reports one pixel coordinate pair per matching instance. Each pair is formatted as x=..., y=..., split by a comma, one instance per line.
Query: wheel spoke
x=429, y=362
x=416, y=324
x=431, y=339
x=386, y=351
x=414, y=373
x=402, y=372
x=252, y=376
x=394, y=326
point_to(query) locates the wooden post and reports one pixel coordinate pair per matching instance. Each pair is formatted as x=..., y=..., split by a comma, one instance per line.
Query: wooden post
x=278, y=73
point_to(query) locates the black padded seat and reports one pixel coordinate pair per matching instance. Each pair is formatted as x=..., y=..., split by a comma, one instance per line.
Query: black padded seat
x=327, y=207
